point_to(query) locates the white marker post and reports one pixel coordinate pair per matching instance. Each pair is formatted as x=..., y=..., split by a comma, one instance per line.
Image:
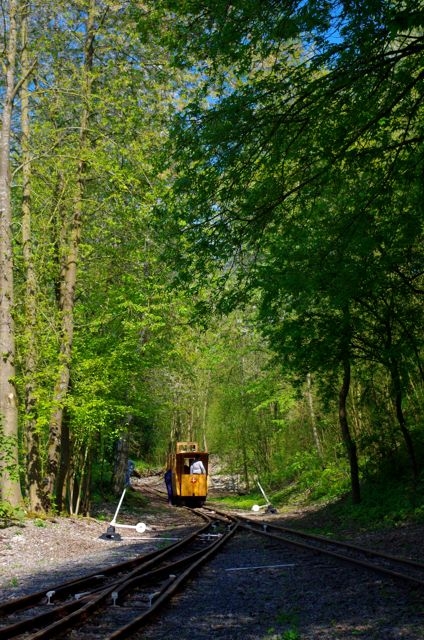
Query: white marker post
x=140, y=527
x=257, y=507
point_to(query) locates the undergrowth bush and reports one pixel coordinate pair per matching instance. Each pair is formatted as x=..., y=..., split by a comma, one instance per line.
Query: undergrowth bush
x=387, y=499
x=10, y=515
x=319, y=479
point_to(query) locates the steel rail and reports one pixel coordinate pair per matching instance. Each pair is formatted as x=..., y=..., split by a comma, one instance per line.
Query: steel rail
x=67, y=615
x=66, y=588
x=339, y=556
x=89, y=608
x=288, y=535
x=136, y=566
x=172, y=588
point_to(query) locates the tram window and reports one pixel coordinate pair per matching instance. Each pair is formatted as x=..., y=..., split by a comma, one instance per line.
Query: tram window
x=187, y=463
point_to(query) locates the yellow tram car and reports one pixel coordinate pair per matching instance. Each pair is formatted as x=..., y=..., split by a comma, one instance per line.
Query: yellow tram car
x=188, y=488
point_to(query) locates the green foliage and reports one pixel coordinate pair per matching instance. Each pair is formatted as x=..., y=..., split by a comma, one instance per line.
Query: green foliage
x=291, y=154
x=38, y=522
x=10, y=515
x=288, y=620
x=240, y=502
x=14, y=582
x=291, y=634
x=8, y=455
x=288, y=617
x=286, y=195
x=387, y=501
x=122, y=317
x=320, y=481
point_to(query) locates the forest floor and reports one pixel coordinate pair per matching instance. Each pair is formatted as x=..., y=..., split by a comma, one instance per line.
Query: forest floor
x=37, y=552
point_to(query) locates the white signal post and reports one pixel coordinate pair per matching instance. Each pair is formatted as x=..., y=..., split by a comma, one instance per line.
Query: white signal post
x=140, y=527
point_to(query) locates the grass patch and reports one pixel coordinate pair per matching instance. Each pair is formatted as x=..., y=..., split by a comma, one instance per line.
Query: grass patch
x=235, y=501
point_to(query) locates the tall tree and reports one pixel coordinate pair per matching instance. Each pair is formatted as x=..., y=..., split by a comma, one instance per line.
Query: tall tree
x=292, y=158
x=93, y=121
x=119, y=302
x=34, y=490
x=10, y=482
x=58, y=448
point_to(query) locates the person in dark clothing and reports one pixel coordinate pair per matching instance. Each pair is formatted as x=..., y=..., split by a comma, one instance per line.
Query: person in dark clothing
x=168, y=482
x=129, y=473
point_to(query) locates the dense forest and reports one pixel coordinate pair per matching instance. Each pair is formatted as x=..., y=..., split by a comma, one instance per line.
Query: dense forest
x=211, y=228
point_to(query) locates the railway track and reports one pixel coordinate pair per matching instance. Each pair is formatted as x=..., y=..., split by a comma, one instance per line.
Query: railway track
x=391, y=566
x=385, y=564
x=114, y=602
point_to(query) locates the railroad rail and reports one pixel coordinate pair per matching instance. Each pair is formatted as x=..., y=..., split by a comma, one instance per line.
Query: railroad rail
x=397, y=567
x=115, y=601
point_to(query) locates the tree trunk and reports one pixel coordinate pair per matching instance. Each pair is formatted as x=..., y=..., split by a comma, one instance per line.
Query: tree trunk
x=10, y=484
x=245, y=466
x=205, y=413
x=68, y=279
x=121, y=465
x=80, y=502
x=347, y=439
x=64, y=464
x=33, y=470
x=312, y=414
x=397, y=401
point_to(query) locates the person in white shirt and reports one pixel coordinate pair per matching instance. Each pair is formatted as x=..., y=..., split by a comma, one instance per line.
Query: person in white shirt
x=197, y=466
